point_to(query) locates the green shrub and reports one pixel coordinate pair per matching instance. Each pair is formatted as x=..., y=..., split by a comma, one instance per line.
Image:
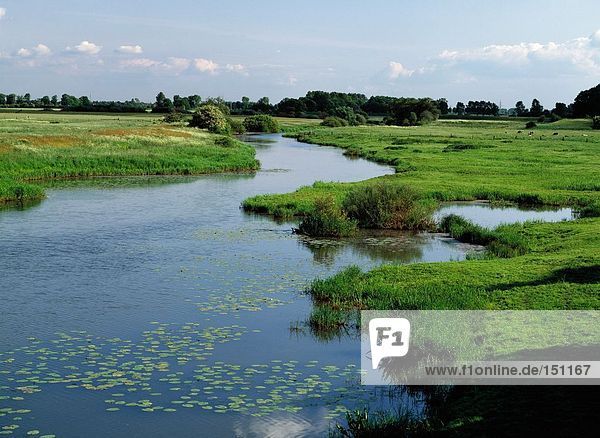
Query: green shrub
x=389, y=206
x=361, y=120
x=211, y=118
x=596, y=122
x=261, y=123
x=236, y=125
x=530, y=125
x=327, y=220
x=174, y=118
x=225, y=141
x=334, y=122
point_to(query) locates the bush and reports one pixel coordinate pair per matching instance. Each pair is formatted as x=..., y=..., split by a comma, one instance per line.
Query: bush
x=236, y=125
x=596, y=122
x=261, y=123
x=210, y=117
x=173, y=118
x=334, y=122
x=530, y=125
x=225, y=141
x=327, y=220
x=389, y=206
x=361, y=120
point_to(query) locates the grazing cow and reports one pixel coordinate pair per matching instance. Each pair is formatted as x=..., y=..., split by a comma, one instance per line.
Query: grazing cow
x=530, y=133
x=519, y=132
x=556, y=133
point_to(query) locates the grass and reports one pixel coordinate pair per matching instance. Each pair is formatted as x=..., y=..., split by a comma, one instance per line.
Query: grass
x=37, y=147
x=327, y=220
x=454, y=160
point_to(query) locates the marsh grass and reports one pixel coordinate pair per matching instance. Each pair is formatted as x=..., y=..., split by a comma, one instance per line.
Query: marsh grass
x=327, y=220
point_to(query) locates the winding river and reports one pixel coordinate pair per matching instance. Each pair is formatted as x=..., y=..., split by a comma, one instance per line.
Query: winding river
x=156, y=307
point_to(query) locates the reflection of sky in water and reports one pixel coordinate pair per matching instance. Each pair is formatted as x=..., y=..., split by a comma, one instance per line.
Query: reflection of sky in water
x=166, y=288
x=490, y=216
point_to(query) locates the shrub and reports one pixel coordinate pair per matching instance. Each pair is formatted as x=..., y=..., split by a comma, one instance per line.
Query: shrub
x=236, y=125
x=361, y=120
x=261, y=123
x=334, y=122
x=225, y=141
x=211, y=118
x=327, y=220
x=427, y=117
x=530, y=125
x=173, y=118
x=389, y=207
x=596, y=122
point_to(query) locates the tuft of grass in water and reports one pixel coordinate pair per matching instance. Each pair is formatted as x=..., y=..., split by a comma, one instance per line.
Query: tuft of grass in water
x=504, y=241
x=361, y=423
x=590, y=210
x=327, y=220
x=389, y=206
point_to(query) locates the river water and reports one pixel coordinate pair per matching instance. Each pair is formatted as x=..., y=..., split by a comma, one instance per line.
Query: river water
x=156, y=307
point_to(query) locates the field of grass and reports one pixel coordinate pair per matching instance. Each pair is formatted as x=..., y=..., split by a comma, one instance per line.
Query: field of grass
x=37, y=147
x=463, y=160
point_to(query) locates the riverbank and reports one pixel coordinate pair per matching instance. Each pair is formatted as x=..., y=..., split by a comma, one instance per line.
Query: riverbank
x=462, y=161
x=38, y=147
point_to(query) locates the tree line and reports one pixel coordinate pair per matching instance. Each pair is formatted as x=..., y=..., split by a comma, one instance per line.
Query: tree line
x=351, y=108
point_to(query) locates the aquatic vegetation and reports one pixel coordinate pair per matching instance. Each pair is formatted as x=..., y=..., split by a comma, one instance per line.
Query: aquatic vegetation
x=327, y=220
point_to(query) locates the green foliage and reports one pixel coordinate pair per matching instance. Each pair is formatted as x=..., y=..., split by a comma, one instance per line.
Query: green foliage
x=590, y=210
x=530, y=125
x=596, y=122
x=334, y=122
x=410, y=111
x=174, y=118
x=389, y=206
x=504, y=241
x=327, y=220
x=236, y=125
x=363, y=424
x=211, y=118
x=261, y=123
x=226, y=141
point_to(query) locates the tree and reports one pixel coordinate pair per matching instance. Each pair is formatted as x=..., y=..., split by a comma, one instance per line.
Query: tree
x=54, y=100
x=85, y=102
x=245, y=103
x=536, y=108
x=263, y=105
x=261, y=123
x=210, y=117
x=460, y=108
x=442, y=105
x=587, y=103
x=162, y=104
x=520, y=107
x=11, y=99
x=2, y=99
x=45, y=101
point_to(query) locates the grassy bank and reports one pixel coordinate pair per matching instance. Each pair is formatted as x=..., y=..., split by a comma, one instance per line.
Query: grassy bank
x=462, y=160
x=44, y=146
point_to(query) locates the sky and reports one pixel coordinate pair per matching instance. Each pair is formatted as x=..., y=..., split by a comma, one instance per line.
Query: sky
x=463, y=50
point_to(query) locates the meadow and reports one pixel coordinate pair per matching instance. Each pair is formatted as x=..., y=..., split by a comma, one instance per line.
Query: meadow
x=453, y=160
x=40, y=146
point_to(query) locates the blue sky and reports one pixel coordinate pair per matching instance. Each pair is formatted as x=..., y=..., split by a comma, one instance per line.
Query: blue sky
x=462, y=49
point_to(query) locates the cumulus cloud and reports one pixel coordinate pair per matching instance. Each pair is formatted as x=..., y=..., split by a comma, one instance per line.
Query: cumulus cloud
x=206, y=65
x=2, y=13
x=39, y=50
x=170, y=65
x=85, y=48
x=397, y=70
x=236, y=68
x=130, y=49
x=580, y=53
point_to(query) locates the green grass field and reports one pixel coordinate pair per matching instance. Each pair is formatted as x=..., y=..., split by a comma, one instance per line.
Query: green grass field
x=36, y=147
x=463, y=160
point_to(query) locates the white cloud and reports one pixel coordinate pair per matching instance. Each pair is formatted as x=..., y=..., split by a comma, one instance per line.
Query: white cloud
x=170, y=65
x=236, y=68
x=580, y=53
x=397, y=70
x=132, y=50
x=2, y=13
x=42, y=50
x=206, y=65
x=24, y=53
x=85, y=48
